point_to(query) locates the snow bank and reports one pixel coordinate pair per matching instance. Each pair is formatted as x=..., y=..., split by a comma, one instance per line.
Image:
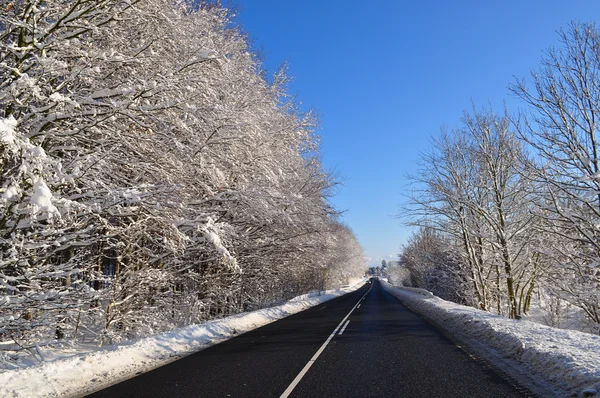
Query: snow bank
x=550, y=361
x=83, y=373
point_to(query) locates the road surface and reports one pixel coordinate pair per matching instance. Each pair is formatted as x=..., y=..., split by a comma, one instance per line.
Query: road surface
x=379, y=349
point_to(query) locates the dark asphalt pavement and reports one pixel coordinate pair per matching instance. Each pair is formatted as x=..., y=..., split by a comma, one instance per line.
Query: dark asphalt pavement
x=385, y=351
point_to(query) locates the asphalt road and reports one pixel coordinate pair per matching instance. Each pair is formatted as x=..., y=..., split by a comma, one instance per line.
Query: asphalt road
x=385, y=350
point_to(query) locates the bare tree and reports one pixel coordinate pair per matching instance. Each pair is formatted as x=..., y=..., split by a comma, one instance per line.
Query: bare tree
x=564, y=98
x=431, y=263
x=474, y=188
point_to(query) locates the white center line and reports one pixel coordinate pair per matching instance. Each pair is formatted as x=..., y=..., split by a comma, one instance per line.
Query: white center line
x=358, y=306
x=344, y=328
x=291, y=387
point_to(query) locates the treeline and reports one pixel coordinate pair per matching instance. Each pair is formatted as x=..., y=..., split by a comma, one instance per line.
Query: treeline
x=508, y=206
x=152, y=175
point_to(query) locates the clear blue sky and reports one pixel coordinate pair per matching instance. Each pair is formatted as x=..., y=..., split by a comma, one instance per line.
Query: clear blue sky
x=386, y=75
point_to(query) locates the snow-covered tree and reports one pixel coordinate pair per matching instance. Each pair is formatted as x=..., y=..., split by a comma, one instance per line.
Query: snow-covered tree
x=474, y=186
x=152, y=176
x=429, y=261
x=564, y=99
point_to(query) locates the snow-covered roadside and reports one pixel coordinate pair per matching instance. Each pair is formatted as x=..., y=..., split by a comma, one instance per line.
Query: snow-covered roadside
x=563, y=362
x=76, y=374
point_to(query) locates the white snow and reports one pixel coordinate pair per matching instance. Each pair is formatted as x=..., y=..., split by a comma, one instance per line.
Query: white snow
x=36, y=151
x=10, y=193
x=58, y=97
x=74, y=373
x=215, y=240
x=41, y=199
x=63, y=99
x=555, y=361
x=7, y=130
x=207, y=54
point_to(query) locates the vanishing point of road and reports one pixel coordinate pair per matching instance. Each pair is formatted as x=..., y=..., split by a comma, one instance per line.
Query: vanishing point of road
x=363, y=344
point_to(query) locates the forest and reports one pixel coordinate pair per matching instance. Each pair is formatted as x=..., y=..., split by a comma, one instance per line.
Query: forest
x=506, y=205
x=152, y=174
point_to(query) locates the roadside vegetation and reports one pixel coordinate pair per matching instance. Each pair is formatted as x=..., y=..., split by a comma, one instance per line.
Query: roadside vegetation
x=507, y=206
x=152, y=175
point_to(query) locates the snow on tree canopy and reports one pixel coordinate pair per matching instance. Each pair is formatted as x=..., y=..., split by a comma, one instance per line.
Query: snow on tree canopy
x=137, y=185
x=41, y=199
x=7, y=130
